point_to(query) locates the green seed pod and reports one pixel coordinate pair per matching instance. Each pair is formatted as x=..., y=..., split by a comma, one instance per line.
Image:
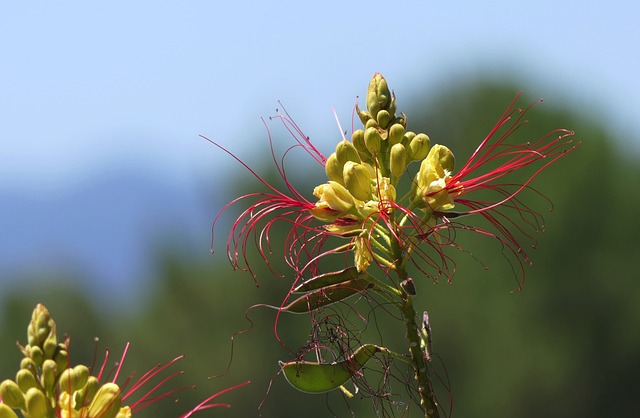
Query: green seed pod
x=372, y=139
x=398, y=159
x=12, y=395
x=107, y=402
x=383, y=118
x=419, y=147
x=357, y=180
x=323, y=377
x=357, y=138
x=333, y=168
x=25, y=380
x=36, y=403
x=396, y=133
x=345, y=151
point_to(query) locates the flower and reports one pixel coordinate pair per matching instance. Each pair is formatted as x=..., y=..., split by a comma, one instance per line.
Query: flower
x=360, y=201
x=46, y=386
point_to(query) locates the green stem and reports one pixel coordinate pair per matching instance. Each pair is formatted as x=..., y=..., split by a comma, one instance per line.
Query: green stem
x=425, y=389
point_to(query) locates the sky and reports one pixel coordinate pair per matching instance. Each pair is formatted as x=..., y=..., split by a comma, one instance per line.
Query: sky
x=89, y=87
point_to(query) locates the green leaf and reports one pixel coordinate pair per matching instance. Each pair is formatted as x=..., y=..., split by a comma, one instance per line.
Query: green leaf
x=323, y=377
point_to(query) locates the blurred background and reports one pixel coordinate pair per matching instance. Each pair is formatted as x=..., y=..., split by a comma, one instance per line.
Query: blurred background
x=107, y=193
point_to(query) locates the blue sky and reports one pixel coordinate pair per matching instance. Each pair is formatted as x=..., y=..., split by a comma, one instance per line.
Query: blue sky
x=88, y=87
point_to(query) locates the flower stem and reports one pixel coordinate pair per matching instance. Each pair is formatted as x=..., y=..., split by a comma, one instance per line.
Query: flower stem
x=428, y=400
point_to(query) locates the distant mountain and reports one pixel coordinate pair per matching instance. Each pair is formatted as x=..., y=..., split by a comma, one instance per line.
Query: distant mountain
x=103, y=232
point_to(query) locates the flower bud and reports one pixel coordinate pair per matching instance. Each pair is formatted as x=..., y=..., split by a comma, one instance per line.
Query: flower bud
x=28, y=364
x=11, y=394
x=396, y=133
x=371, y=123
x=398, y=159
x=36, y=355
x=107, y=402
x=88, y=392
x=36, y=403
x=48, y=378
x=345, y=151
x=357, y=180
x=6, y=412
x=333, y=168
x=383, y=118
x=378, y=95
x=372, y=140
x=25, y=380
x=61, y=357
x=418, y=147
x=41, y=326
x=357, y=138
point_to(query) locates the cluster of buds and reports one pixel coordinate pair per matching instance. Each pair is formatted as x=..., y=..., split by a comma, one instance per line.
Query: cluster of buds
x=364, y=173
x=46, y=386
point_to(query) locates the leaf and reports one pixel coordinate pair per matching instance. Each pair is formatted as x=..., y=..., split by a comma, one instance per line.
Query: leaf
x=313, y=377
x=327, y=295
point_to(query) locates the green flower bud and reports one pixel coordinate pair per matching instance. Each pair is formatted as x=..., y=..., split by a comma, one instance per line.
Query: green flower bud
x=357, y=180
x=383, y=118
x=378, y=95
x=345, y=151
x=107, y=402
x=333, y=168
x=419, y=147
x=357, y=138
x=36, y=404
x=373, y=140
x=73, y=379
x=36, y=355
x=49, y=374
x=41, y=326
x=6, y=412
x=50, y=346
x=61, y=357
x=26, y=380
x=11, y=395
x=398, y=159
x=28, y=364
x=396, y=133
x=371, y=123
x=88, y=392
x=408, y=136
